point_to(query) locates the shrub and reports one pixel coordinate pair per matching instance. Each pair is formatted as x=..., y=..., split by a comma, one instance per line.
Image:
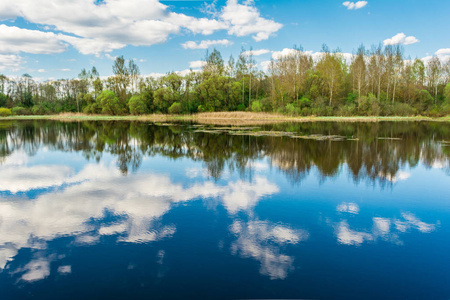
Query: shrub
x=5, y=112
x=38, y=110
x=240, y=107
x=256, y=106
x=347, y=110
x=137, y=105
x=402, y=109
x=91, y=109
x=292, y=110
x=20, y=111
x=175, y=109
x=201, y=108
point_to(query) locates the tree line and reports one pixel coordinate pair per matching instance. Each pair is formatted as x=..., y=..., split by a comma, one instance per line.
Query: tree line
x=378, y=81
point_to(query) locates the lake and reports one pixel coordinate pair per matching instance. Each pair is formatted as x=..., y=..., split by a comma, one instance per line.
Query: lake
x=135, y=210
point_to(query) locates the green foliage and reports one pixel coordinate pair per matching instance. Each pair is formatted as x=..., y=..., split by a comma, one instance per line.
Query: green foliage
x=347, y=110
x=3, y=99
x=38, y=110
x=241, y=107
x=175, y=109
x=137, y=105
x=400, y=109
x=20, y=111
x=292, y=110
x=256, y=106
x=447, y=93
x=423, y=100
x=164, y=98
x=352, y=98
x=5, y=112
x=110, y=103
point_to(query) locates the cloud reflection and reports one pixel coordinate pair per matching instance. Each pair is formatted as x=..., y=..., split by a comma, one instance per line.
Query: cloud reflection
x=138, y=201
x=382, y=228
x=262, y=240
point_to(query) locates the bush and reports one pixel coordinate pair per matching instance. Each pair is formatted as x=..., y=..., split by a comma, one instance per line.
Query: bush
x=5, y=112
x=241, y=107
x=38, y=110
x=402, y=109
x=347, y=110
x=292, y=110
x=175, y=109
x=91, y=109
x=20, y=111
x=137, y=105
x=201, y=108
x=266, y=104
x=256, y=106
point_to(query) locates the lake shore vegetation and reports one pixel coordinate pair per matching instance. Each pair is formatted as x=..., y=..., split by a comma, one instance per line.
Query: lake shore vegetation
x=379, y=82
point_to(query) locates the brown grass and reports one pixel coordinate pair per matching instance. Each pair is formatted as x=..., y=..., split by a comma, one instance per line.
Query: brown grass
x=220, y=118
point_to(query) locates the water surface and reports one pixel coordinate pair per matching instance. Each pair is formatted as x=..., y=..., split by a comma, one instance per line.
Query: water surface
x=129, y=210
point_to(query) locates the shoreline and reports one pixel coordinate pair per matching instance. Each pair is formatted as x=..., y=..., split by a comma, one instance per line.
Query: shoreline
x=224, y=118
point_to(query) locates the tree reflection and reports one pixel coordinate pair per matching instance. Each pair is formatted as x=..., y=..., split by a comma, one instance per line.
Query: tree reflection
x=373, y=151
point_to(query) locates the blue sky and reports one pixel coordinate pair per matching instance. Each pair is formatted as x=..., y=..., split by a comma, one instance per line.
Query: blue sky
x=56, y=39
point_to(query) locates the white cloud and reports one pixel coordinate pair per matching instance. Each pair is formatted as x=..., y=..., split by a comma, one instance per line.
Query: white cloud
x=245, y=19
x=97, y=28
x=265, y=65
x=197, y=64
x=256, y=52
x=355, y=5
x=400, y=39
x=443, y=54
x=206, y=44
x=14, y=40
x=286, y=52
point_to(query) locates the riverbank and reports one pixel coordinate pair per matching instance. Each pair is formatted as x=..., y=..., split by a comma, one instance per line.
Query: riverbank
x=222, y=118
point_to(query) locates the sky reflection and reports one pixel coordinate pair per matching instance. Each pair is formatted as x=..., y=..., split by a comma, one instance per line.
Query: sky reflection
x=57, y=208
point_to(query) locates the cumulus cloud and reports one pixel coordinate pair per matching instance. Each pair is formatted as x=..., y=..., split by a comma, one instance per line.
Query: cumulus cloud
x=15, y=40
x=197, y=64
x=400, y=39
x=256, y=52
x=442, y=54
x=206, y=44
x=355, y=5
x=286, y=52
x=95, y=28
x=245, y=19
x=10, y=62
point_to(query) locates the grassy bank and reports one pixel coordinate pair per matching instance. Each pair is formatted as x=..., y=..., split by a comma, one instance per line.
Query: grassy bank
x=221, y=118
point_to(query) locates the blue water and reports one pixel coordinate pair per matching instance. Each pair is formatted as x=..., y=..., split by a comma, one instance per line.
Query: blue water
x=138, y=211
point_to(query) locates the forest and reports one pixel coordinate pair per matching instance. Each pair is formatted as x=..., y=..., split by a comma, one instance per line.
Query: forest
x=378, y=81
